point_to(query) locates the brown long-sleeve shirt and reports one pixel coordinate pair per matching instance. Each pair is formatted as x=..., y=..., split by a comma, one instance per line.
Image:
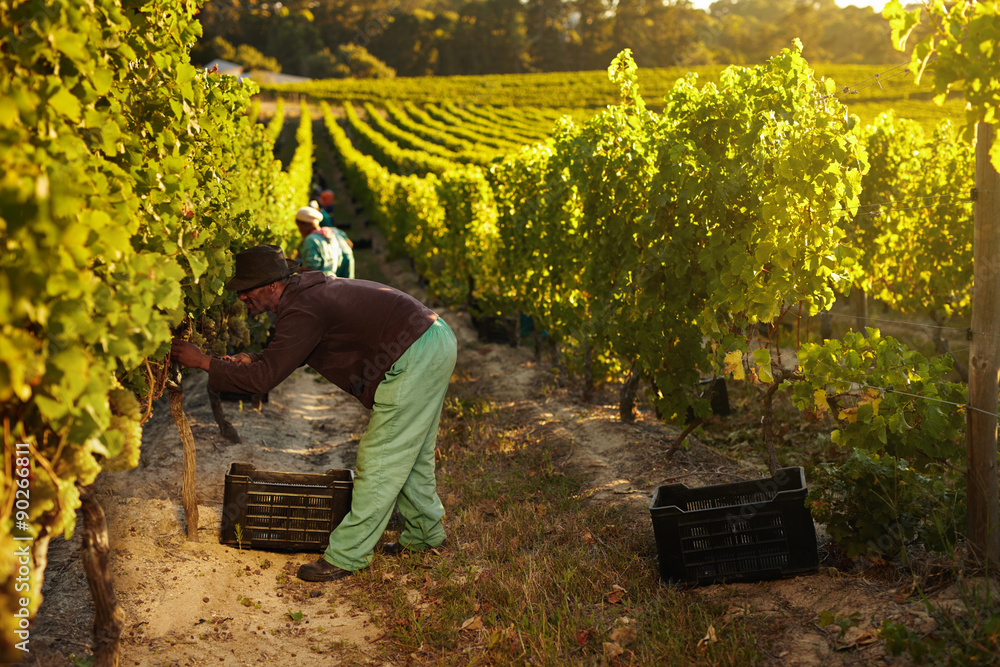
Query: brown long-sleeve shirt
x=351, y=331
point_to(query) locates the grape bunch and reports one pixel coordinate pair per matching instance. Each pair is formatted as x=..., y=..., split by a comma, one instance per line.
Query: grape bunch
x=197, y=338
x=124, y=435
x=239, y=333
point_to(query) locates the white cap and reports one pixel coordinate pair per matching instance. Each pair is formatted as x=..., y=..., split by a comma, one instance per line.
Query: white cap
x=309, y=215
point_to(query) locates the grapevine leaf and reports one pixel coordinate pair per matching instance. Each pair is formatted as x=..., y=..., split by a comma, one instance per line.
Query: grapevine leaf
x=850, y=415
x=66, y=104
x=819, y=398
x=8, y=112
x=734, y=365
x=762, y=357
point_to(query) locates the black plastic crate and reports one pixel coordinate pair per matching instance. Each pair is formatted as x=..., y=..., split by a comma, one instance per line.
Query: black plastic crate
x=283, y=510
x=753, y=530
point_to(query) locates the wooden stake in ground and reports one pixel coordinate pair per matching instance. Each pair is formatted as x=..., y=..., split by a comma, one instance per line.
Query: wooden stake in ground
x=984, y=359
x=108, y=616
x=188, y=497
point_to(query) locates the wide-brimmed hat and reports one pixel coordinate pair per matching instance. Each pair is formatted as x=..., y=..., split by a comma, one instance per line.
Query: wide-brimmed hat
x=259, y=266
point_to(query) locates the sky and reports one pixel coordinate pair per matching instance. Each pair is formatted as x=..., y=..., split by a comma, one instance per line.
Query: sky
x=875, y=4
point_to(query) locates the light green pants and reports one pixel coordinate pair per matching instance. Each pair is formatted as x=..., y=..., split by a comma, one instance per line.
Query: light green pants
x=396, y=455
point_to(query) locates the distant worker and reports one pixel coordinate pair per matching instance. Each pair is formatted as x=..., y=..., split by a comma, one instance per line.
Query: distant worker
x=326, y=201
x=310, y=222
x=325, y=205
x=319, y=250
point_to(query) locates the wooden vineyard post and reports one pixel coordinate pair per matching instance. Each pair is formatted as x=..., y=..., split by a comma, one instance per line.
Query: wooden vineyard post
x=188, y=497
x=860, y=310
x=108, y=616
x=984, y=359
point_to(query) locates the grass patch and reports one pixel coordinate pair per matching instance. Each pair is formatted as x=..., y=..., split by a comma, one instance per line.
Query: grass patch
x=966, y=632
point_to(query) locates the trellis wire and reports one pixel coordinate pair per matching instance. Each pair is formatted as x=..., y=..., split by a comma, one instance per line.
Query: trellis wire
x=891, y=390
x=876, y=80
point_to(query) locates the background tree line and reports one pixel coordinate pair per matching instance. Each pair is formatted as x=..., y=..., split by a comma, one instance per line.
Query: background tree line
x=337, y=38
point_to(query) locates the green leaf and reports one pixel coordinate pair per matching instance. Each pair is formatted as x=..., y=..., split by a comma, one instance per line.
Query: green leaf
x=198, y=264
x=902, y=22
x=72, y=44
x=66, y=104
x=75, y=372
x=51, y=410
x=185, y=72
x=763, y=252
x=102, y=79
x=8, y=111
x=762, y=357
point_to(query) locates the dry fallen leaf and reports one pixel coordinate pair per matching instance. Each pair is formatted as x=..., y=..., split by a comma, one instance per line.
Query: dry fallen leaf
x=474, y=623
x=612, y=650
x=709, y=638
x=616, y=594
x=624, y=635
x=857, y=638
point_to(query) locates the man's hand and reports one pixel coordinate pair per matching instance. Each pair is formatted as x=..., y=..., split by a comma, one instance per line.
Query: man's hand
x=240, y=358
x=188, y=354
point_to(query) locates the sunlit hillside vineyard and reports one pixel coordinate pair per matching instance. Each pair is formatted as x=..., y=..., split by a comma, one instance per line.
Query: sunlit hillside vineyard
x=866, y=90
x=656, y=229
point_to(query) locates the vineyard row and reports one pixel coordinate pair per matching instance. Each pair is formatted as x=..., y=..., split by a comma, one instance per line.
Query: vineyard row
x=129, y=179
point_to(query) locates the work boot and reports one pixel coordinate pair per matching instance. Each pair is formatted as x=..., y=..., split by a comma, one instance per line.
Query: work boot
x=321, y=570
